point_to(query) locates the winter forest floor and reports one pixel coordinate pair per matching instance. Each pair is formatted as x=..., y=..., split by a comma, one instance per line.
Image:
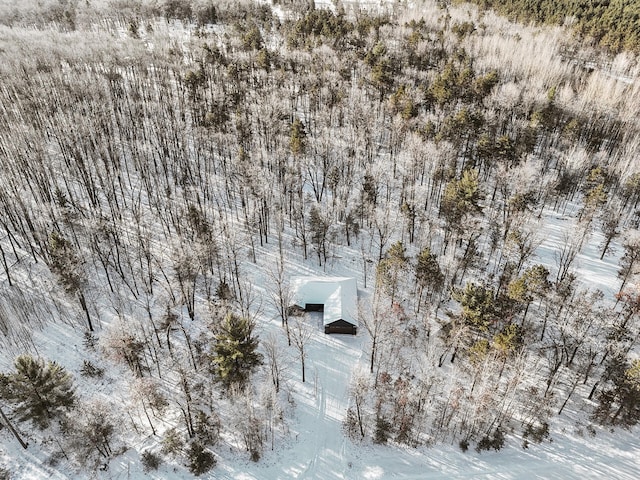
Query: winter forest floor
x=313, y=445
x=170, y=166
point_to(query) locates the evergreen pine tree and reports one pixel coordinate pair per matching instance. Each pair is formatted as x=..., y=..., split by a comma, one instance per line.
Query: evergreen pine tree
x=461, y=198
x=297, y=140
x=390, y=267
x=531, y=284
x=39, y=391
x=509, y=340
x=478, y=304
x=619, y=403
x=428, y=272
x=235, y=352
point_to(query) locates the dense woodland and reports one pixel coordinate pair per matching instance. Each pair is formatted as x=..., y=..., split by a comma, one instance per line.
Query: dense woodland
x=612, y=24
x=167, y=165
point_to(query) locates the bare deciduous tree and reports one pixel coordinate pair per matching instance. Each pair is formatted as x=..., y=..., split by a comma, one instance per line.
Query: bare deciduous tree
x=301, y=333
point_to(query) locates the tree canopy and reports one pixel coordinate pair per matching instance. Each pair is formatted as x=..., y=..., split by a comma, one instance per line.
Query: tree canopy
x=611, y=24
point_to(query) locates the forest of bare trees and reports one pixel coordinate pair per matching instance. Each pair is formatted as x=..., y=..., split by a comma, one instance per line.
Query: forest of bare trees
x=165, y=165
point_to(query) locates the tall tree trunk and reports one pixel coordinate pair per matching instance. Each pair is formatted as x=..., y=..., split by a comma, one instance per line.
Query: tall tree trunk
x=6, y=266
x=144, y=408
x=83, y=304
x=13, y=430
x=373, y=353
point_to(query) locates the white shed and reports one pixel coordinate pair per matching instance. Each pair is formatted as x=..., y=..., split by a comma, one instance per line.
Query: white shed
x=336, y=297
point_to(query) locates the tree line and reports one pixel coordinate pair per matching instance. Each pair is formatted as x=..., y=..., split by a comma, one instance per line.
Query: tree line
x=608, y=24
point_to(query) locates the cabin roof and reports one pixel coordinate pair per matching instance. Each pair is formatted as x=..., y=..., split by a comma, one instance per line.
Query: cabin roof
x=339, y=295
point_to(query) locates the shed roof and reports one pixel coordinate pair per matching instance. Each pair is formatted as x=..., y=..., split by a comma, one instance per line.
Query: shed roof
x=339, y=295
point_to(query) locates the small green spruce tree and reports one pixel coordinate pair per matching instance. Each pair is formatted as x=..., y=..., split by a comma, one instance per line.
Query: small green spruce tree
x=235, y=353
x=39, y=391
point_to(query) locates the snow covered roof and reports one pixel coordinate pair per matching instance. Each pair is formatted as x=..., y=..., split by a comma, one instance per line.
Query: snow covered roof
x=339, y=295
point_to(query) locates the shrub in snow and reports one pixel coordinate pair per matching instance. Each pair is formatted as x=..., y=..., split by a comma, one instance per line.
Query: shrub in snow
x=200, y=460
x=207, y=428
x=223, y=291
x=495, y=441
x=90, y=341
x=535, y=434
x=255, y=455
x=150, y=461
x=91, y=432
x=464, y=444
x=350, y=424
x=88, y=369
x=172, y=442
x=383, y=430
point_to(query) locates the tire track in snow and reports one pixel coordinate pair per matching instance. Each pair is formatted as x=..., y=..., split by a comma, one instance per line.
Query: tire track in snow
x=320, y=441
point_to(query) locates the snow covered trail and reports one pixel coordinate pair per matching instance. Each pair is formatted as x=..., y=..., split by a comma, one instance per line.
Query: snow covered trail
x=27, y=465
x=317, y=449
x=332, y=375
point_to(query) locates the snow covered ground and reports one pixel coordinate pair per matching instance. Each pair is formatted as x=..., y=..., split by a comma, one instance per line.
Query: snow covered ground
x=319, y=450
x=316, y=448
x=313, y=444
